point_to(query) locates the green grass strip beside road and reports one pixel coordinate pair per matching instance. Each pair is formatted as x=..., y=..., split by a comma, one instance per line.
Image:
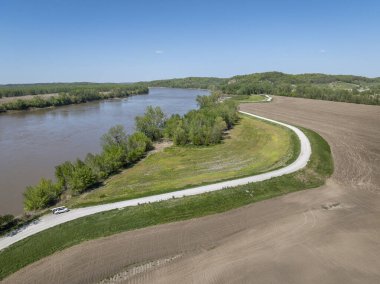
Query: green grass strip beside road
x=252, y=147
x=248, y=98
x=108, y=223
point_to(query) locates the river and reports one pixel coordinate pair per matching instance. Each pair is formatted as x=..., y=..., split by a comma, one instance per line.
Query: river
x=32, y=143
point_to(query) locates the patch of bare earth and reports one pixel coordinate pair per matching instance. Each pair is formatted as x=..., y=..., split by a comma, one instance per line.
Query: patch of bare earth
x=28, y=97
x=326, y=235
x=160, y=146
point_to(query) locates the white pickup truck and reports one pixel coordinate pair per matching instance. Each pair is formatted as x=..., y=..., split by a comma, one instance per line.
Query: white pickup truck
x=59, y=210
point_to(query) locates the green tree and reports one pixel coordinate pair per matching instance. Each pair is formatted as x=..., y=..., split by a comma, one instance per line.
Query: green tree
x=115, y=148
x=97, y=165
x=113, y=159
x=82, y=178
x=138, y=144
x=171, y=125
x=116, y=136
x=151, y=123
x=208, y=101
x=63, y=173
x=180, y=136
x=217, y=130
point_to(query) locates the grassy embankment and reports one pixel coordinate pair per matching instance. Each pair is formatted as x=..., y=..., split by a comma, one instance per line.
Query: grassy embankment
x=251, y=147
x=108, y=223
x=103, y=224
x=248, y=98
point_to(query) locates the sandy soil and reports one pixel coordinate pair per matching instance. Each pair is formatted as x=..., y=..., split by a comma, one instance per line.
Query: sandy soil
x=160, y=146
x=325, y=235
x=28, y=97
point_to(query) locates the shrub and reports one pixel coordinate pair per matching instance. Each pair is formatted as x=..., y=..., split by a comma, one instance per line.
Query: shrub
x=180, y=136
x=41, y=196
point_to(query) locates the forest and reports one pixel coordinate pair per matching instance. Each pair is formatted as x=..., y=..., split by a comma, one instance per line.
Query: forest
x=341, y=88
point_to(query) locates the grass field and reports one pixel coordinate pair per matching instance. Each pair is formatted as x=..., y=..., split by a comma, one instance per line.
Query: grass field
x=103, y=224
x=251, y=147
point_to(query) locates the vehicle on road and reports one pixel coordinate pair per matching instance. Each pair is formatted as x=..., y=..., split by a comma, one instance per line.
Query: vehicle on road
x=59, y=210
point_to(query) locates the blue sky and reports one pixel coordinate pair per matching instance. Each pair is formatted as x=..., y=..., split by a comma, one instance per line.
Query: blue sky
x=125, y=41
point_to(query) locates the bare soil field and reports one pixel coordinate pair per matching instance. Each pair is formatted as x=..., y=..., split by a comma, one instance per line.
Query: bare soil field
x=326, y=235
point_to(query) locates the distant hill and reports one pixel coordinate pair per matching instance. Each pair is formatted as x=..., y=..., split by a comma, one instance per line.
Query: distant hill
x=344, y=88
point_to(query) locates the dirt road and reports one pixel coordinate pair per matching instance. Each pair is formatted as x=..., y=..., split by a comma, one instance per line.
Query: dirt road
x=326, y=235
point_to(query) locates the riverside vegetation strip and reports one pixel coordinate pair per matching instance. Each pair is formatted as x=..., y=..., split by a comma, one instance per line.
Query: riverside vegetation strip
x=202, y=127
x=21, y=97
x=103, y=224
x=50, y=221
x=341, y=88
x=251, y=147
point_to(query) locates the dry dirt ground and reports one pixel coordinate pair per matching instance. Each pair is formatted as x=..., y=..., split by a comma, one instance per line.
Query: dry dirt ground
x=27, y=97
x=325, y=235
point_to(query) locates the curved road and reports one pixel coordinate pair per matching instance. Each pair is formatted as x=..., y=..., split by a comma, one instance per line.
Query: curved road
x=50, y=220
x=294, y=238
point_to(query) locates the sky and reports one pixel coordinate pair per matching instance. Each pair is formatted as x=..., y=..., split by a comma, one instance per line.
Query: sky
x=127, y=41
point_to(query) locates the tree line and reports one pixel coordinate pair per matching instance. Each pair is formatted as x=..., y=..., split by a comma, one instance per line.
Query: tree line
x=74, y=96
x=204, y=126
x=74, y=178
x=17, y=90
x=314, y=86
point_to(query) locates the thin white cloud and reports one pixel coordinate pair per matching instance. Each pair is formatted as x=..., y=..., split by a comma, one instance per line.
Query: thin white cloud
x=322, y=51
x=159, y=52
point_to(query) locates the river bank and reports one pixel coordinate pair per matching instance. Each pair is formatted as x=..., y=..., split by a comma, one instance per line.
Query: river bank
x=48, y=137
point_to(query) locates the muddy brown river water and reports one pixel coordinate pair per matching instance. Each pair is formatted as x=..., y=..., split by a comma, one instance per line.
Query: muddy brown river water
x=32, y=143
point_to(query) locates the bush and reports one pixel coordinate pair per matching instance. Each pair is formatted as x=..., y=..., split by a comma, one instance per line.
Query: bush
x=6, y=222
x=41, y=196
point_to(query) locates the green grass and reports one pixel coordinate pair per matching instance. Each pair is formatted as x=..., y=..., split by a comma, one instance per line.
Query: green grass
x=103, y=224
x=248, y=98
x=251, y=147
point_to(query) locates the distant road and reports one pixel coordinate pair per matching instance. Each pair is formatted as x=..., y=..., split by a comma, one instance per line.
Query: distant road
x=50, y=220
